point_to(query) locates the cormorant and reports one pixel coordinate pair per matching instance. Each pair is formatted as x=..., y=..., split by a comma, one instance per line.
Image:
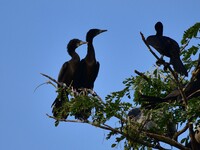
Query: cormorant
x=66, y=75
x=191, y=90
x=89, y=67
x=167, y=47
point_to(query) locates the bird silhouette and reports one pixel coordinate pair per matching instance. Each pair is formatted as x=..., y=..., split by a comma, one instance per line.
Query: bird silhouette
x=191, y=90
x=167, y=47
x=88, y=69
x=66, y=75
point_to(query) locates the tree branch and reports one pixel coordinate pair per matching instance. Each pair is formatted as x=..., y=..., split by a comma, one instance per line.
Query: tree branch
x=144, y=40
x=191, y=134
x=59, y=83
x=166, y=140
x=142, y=75
x=180, y=132
x=109, y=128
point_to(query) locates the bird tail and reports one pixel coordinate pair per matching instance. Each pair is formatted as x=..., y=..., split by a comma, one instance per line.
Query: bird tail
x=60, y=108
x=150, y=102
x=178, y=66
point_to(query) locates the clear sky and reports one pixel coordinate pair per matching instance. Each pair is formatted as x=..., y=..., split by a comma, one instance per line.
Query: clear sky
x=33, y=39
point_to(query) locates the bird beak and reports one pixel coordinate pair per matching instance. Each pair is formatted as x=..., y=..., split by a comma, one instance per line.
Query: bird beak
x=82, y=42
x=103, y=31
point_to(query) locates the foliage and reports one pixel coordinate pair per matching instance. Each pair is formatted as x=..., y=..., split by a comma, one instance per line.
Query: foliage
x=157, y=83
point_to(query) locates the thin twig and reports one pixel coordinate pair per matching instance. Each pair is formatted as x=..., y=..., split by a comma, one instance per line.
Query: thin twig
x=48, y=82
x=198, y=91
x=106, y=127
x=182, y=48
x=65, y=120
x=142, y=75
x=59, y=83
x=144, y=40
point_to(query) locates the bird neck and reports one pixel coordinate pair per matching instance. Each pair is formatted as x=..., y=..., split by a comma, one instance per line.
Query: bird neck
x=90, y=52
x=74, y=55
x=159, y=33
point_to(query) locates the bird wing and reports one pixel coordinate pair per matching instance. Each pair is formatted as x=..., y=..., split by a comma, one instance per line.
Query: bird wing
x=96, y=70
x=156, y=42
x=172, y=46
x=82, y=73
x=88, y=74
x=62, y=72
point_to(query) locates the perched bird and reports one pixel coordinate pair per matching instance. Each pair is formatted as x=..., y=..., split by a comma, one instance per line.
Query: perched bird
x=167, y=47
x=66, y=75
x=146, y=120
x=89, y=67
x=191, y=90
x=137, y=115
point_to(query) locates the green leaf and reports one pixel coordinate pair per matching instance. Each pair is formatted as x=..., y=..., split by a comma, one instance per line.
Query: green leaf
x=113, y=145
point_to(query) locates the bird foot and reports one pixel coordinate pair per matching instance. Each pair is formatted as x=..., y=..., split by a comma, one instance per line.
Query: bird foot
x=75, y=92
x=83, y=91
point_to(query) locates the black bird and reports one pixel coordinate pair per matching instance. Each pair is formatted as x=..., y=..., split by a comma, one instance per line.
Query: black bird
x=167, y=47
x=66, y=75
x=89, y=67
x=191, y=90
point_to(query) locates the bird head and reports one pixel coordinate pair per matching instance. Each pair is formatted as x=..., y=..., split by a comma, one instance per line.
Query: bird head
x=92, y=33
x=159, y=28
x=74, y=43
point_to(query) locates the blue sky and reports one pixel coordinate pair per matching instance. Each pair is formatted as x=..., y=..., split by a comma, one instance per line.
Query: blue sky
x=33, y=39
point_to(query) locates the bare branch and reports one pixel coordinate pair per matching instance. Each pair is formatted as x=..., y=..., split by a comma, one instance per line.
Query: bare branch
x=65, y=120
x=60, y=84
x=104, y=126
x=144, y=40
x=48, y=82
x=191, y=95
x=180, y=132
x=185, y=46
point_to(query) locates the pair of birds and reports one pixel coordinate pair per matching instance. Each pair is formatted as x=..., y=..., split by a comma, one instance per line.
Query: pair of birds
x=77, y=73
